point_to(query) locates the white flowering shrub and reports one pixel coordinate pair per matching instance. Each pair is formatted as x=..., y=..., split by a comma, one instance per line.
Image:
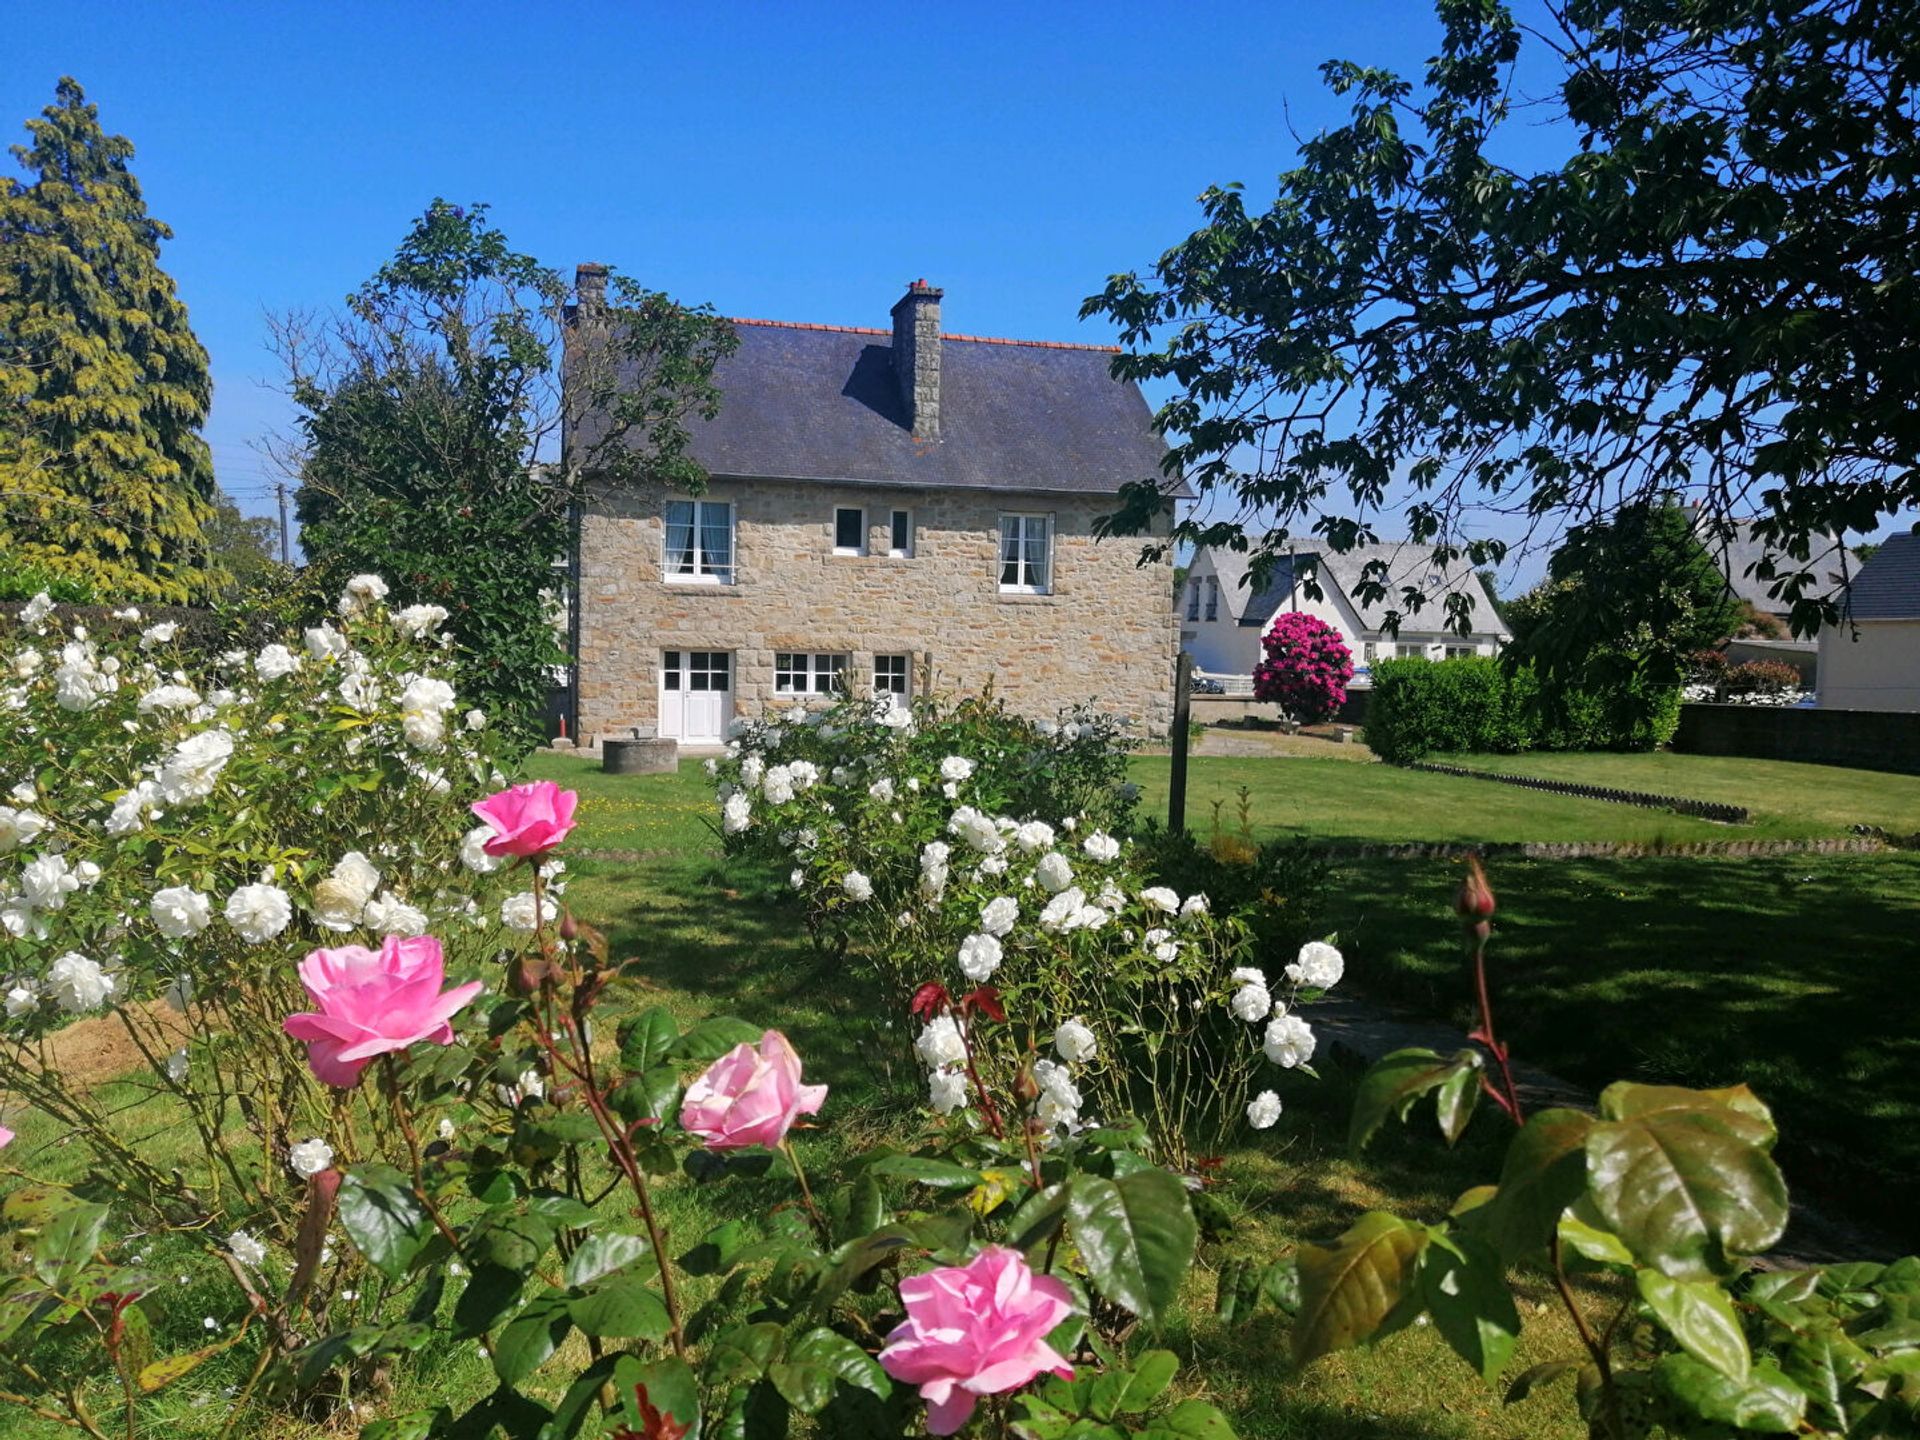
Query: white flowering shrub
x=177, y=829
x=971, y=854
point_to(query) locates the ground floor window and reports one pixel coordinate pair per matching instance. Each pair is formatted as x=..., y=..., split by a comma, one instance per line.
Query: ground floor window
x=890, y=675
x=1461, y=652
x=800, y=672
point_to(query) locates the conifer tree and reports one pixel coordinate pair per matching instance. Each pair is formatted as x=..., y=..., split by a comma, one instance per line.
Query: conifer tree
x=103, y=388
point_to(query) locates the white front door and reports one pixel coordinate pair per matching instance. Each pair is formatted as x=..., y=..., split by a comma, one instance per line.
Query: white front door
x=696, y=695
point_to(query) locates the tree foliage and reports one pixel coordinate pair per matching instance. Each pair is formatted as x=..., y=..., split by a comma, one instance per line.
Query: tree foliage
x=427, y=409
x=103, y=388
x=1713, y=293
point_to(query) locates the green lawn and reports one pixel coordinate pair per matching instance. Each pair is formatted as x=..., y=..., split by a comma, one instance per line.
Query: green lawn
x=1824, y=796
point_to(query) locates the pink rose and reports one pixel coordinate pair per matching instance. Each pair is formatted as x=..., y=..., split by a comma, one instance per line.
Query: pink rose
x=6, y=1137
x=527, y=819
x=750, y=1097
x=976, y=1329
x=370, y=1002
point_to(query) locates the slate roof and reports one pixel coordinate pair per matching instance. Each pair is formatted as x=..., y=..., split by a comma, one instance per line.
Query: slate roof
x=1739, y=552
x=1887, y=587
x=817, y=402
x=1408, y=563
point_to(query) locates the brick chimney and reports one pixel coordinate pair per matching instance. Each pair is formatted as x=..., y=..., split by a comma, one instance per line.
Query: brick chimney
x=590, y=285
x=916, y=357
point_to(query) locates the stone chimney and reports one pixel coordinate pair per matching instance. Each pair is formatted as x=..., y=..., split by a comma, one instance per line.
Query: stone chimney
x=590, y=285
x=916, y=357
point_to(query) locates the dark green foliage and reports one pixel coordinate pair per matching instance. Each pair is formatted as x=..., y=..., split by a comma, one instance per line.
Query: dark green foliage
x=1475, y=704
x=103, y=475
x=422, y=416
x=1712, y=292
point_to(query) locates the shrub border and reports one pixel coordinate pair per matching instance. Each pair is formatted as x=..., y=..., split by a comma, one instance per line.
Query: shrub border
x=1601, y=849
x=1700, y=809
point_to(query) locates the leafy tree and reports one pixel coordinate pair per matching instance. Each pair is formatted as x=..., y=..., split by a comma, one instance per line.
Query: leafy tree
x=425, y=409
x=245, y=549
x=103, y=474
x=1713, y=293
x=1866, y=552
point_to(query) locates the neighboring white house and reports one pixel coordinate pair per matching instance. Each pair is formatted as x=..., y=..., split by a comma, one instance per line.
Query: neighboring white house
x=1223, y=619
x=1871, y=660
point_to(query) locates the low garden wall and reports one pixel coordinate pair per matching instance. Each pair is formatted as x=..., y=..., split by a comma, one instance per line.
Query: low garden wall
x=1866, y=739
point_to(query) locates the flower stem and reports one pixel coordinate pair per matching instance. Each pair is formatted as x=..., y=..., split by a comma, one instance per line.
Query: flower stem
x=806, y=1194
x=1506, y=1096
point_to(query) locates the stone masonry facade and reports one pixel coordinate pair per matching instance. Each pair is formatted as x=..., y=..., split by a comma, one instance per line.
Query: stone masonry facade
x=1106, y=633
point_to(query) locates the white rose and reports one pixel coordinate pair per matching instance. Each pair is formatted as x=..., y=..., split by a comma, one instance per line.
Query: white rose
x=941, y=1044
x=1059, y=1102
x=19, y=827
x=1062, y=912
x=1159, y=897
x=390, y=915
x=1034, y=836
x=1101, y=846
x=1195, y=905
x=857, y=886
x=154, y=634
x=1244, y=975
x=1054, y=872
x=733, y=815
x=1263, y=1110
x=1318, y=967
x=517, y=912
x=1289, y=1041
x=804, y=774
x=473, y=853
x=797, y=878
x=1251, y=1003
x=167, y=697
x=419, y=621
x=194, y=766
x=881, y=789
x=36, y=609
x=78, y=984
x=362, y=593
x=998, y=914
x=979, y=957
x=275, y=662
x=947, y=1089
x=247, y=1250
x=1073, y=1042
x=324, y=642
x=130, y=809
x=310, y=1157
x=476, y=719
x=47, y=881
x=178, y=1066
x=180, y=911
x=22, y=1000
x=257, y=913
x=956, y=768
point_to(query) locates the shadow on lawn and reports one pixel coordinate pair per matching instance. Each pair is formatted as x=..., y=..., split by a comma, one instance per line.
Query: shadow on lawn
x=1791, y=974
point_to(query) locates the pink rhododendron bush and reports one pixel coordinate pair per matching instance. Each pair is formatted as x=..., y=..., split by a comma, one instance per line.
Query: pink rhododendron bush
x=488, y=1177
x=1304, y=668
x=966, y=850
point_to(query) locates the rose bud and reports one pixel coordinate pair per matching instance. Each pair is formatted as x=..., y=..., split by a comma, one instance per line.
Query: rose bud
x=1474, y=900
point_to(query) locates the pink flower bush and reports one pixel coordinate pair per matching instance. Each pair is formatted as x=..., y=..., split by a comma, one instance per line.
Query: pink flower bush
x=1306, y=669
x=527, y=819
x=372, y=1002
x=750, y=1096
x=976, y=1329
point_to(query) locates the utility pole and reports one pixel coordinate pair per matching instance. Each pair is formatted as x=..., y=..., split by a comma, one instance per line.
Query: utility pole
x=286, y=551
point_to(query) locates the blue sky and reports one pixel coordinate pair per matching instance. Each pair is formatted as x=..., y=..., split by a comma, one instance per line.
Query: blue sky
x=795, y=161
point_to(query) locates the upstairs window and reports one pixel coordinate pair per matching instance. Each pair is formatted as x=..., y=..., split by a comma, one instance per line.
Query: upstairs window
x=699, y=546
x=849, y=531
x=1026, y=554
x=900, y=533
x=802, y=673
x=1193, y=601
x=1213, y=599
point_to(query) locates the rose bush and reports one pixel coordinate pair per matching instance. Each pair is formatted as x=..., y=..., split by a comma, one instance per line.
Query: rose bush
x=1304, y=668
x=949, y=849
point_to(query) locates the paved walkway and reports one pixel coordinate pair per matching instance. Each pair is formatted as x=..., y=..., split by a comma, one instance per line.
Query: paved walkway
x=1368, y=1030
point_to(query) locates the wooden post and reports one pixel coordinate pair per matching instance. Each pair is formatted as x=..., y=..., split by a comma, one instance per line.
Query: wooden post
x=1177, y=782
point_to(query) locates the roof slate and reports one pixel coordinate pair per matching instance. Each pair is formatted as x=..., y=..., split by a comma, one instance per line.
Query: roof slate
x=1887, y=587
x=804, y=402
x=1408, y=563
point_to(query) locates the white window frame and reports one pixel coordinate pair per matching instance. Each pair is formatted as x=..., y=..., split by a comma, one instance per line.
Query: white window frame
x=1022, y=523
x=840, y=549
x=899, y=552
x=1368, y=650
x=883, y=681
x=1458, y=651
x=1193, y=600
x=706, y=571
x=821, y=672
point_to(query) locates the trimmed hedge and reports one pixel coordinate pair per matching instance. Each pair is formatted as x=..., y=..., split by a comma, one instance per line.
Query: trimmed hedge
x=201, y=631
x=1472, y=704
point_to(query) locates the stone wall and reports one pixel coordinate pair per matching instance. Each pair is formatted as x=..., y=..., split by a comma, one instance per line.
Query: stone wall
x=1105, y=634
x=1867, y=739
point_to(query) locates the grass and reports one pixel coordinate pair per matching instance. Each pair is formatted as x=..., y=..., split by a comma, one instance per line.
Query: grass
x=1789, y=973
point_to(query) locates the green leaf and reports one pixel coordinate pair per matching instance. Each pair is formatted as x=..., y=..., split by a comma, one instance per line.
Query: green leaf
x=1590, y=1241
x=1825, y=1364
x=414, y=1425
x=845, y=1361
x=1544, y=1172
x=1687, y=1190
x=1136, y=1236
x=512, y=1242
x=1190, y=1420
x=1350, y=1290
x=647, y=1096
x=669, y=1386
x=621, y=1308
x=938, y=1174
x=743, y=1354
x=1396, y=1081
x=711, y=1039
x=1699, y=1315
x=490, y=1292
x=1464, y=1287
x=647, y=1040
x=1766, y=1400
x=67, y=1242
x=1542, y=1374
x=570, y=1412
x=861, y=1209
x=383, y=1217
x=603, y=1253
x=527, y=1341
x=1042, y=1420
x=1152, y=1373
x=717, y=1248
x=1624, y=1100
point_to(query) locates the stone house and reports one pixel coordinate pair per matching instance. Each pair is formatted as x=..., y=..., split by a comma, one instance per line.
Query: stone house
x=890, y=511
x=1224, y=617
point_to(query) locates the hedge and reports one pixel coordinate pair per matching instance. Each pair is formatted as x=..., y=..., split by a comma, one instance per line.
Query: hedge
x=1473, y=704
